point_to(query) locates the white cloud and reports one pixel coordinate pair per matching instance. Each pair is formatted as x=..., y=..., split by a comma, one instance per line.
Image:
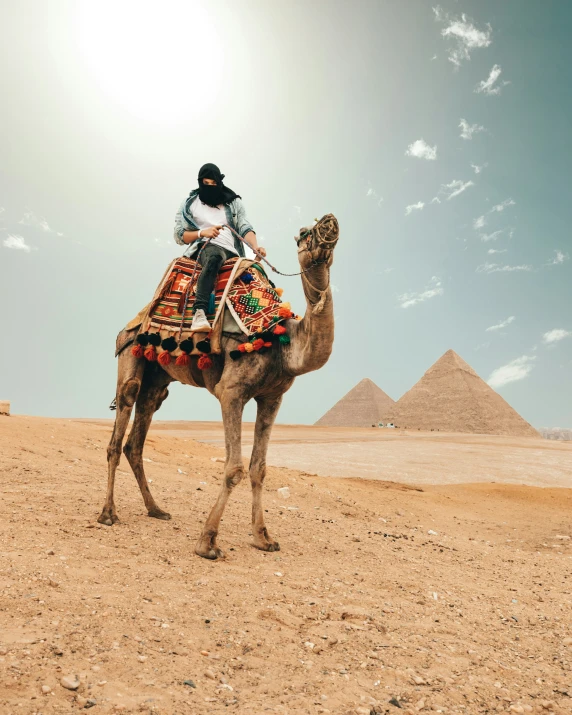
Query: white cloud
x=512, y=372
x=421, y=150
x=30, y=219
x=17, y=242
x=414, y=207
x=555, y=336
x=433, y=289
x=477, y=169
x=463, y=34
x=489, y=85
x=435, y=200
x=433, y=58
x=491, y=251
x=558, y=258
x=503, y=205
x=479, y=222
x=456, y=187
x=467, y=130
x=501, y=325
x=496, y=268
x=494, y=236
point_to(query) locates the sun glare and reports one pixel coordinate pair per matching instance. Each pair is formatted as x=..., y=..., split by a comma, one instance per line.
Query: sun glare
x=163, y=61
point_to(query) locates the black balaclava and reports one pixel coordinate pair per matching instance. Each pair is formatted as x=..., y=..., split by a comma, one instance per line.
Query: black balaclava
x=214, y=195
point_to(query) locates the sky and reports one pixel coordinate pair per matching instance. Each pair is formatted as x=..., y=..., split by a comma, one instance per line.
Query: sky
x=439, y=135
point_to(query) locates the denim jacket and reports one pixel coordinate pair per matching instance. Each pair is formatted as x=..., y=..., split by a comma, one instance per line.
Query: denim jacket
x=235, y=217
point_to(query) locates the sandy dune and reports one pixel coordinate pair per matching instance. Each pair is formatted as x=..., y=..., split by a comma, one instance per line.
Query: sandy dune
x=453, y=599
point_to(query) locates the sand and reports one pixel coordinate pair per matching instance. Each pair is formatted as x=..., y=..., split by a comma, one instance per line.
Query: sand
x=446, y=598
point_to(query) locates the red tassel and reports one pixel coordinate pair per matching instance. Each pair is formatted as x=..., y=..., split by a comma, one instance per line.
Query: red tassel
x=164, y=358
x=150, y=354
x=137, y=351
x=183, y=360
x=279, y=330
x=204, y=362
x=258, y=343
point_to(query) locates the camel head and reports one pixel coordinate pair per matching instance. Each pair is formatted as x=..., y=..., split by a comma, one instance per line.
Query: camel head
x=316, y=243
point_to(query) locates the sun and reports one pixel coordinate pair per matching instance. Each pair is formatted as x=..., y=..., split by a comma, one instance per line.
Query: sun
x=162, y=61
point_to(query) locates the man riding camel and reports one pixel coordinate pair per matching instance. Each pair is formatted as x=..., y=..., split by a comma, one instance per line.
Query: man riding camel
x=203, y=216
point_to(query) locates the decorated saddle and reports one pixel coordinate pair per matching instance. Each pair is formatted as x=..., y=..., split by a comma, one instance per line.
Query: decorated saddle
x=242, y=288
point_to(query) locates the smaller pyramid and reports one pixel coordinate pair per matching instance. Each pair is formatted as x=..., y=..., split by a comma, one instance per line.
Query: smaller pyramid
x=364, y=406
x=451, y=397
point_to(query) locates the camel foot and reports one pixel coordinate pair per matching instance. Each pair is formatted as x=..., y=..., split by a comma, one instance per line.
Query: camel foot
x=206, y=548
x=159, y=514
x=108, y=518
x=267, y=545
x=263, y=541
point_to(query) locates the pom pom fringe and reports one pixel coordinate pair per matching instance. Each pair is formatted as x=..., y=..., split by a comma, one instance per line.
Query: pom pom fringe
x=137, y=351
x=164, y=358
x=150, y=354
x=204, y=362
x=183, y=360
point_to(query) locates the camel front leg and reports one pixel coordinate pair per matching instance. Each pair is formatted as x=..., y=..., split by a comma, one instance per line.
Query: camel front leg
x=266, y=414
x=232, y=407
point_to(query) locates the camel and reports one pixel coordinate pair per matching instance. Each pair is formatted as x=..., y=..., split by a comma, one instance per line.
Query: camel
x=264, y=378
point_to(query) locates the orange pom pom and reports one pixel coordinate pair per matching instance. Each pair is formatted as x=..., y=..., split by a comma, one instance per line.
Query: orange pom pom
x=258, y=343
x=249, y=347
x=137, y=351
x=183, y=360
x=279, y=291
x=267, y=345
x=150, y=354
x=204, y=362
x=279, y=330
x=286, y=306
x=242, y=347
x=164, y=358
x=285, y=313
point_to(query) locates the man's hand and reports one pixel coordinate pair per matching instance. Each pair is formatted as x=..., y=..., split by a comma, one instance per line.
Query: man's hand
x=262, y=251
x=211, y=232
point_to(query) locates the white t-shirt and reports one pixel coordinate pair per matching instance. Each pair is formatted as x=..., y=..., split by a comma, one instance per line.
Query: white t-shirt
x=206, y=216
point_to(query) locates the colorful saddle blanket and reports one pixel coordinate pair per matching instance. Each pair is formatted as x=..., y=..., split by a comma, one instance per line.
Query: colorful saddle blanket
x=242, y=287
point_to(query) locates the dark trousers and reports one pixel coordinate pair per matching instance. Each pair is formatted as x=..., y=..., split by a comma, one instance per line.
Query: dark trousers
x=211, y=259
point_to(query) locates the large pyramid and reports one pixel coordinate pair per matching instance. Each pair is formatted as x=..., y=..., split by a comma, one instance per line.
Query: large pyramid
x=364, y=406
x=451, y=397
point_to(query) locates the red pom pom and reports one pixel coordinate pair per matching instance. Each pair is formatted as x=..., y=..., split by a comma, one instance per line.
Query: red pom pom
x=164, y=358
x=183, y=360
x=258, y=343
x=150, y=353
x=242, y=348
x=285, y=313
x=279, y=330
x=137, y=351
x=267, y=345
x=204, y=362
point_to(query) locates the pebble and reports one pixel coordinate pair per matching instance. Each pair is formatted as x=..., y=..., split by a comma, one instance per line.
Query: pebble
x=190, y=683
x=284, y=492
x=141, y=658
x=71, y=682
x=210, y=675
x=3, y=651
x=46, y=689
x=433, y=533
x=205, y=653
x=418, y=681
x=567, y=641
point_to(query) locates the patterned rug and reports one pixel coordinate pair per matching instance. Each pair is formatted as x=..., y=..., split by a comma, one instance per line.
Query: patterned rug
x=242, y=287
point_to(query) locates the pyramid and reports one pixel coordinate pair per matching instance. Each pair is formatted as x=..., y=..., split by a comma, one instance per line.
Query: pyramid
x=363, y=406
x=451, y=397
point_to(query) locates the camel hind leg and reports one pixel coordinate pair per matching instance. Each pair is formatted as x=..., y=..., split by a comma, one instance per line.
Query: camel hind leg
x=129, y=378
x=152, y=393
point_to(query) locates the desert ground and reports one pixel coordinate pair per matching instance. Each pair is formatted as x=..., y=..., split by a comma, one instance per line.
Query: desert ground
x=424, y=588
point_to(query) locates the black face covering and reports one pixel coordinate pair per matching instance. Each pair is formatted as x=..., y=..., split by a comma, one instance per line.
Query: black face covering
x=214, y=195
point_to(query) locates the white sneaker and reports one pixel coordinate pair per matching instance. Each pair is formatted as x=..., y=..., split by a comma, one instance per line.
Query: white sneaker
x=200, y=323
